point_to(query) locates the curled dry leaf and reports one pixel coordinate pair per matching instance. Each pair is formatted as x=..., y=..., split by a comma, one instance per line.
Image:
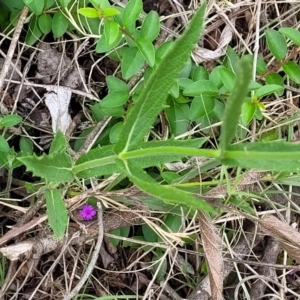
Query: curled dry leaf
x=202, y=54
x=288, y=237
x=212, y=244
x=57, y=101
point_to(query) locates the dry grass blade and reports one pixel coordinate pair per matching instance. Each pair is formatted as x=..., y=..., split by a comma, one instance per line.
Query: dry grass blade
x=212, y=245
x=285, y=234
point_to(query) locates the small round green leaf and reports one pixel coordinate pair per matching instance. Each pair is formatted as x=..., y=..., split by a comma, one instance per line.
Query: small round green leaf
x=116, y=85
x=276, y=43
x=132, y=62
x=292, y=70
x=151, y=26
x=275, y=78
x=45, y=23
x=35, y=5
x=10, y=120
x=115, y=99
x=147, y=50
x=49, y=3
x=88, y=12
x=228, y=78
x=199, y=87
x=59, y=24
x=111, y=31
x=34, y=32
x=102, y=45
x=248, y=112
x=64, y=3
x=131, y=12
x=292, y=34
x=267, y=89
x=110, y=12
x=199, y=73
x=4, y=147
x=26, y=145
x=200, y=107
x=115, y=132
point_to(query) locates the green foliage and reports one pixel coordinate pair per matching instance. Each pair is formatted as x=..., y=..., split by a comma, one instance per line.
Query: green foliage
x=56, y=212
x=173, y=87
x=276, y=43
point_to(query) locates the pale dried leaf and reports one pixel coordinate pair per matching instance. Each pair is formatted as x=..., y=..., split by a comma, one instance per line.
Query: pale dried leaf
x=57, y=101
x=212, y=244
x=288, y=237
x=14, y=252
x=201, y=54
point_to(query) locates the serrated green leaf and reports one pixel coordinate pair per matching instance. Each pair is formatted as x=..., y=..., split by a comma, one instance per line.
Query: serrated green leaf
x=97, y=162
x=88, y=12
x=204, y=87
x=291, y=33
x=248, y=112
x=45, y=23
x=292, y=70
x=111, y=31
x=276, y=43
x=4, y=147
x=147, y=50
x=57, y=212
x=33, y=33
x=267, y=89
x=201, y=106
x=35, y=5
x=131, y=12
x=271, y=156
x=234, y=105
x=10, y=120
x=56, y=168
x=59, y=143
x=116, y=85
x=132, y=62
x=102, y=45
x=151, y=26
x=114, y=99
x=110, y=12
x=59, y=24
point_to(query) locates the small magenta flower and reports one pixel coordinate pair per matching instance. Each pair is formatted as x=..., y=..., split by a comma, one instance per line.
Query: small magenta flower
x=87, y=212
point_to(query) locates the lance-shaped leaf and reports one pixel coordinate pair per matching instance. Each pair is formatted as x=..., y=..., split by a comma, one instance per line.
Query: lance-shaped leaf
x=166, y=193
x=275, y=156
x=56, y=212
x=153, y=96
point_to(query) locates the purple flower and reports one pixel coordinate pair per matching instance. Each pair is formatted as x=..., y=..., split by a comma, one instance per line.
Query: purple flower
x=87, y=212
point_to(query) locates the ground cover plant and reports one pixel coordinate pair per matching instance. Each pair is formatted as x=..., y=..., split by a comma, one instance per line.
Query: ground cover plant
x=149, y=151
